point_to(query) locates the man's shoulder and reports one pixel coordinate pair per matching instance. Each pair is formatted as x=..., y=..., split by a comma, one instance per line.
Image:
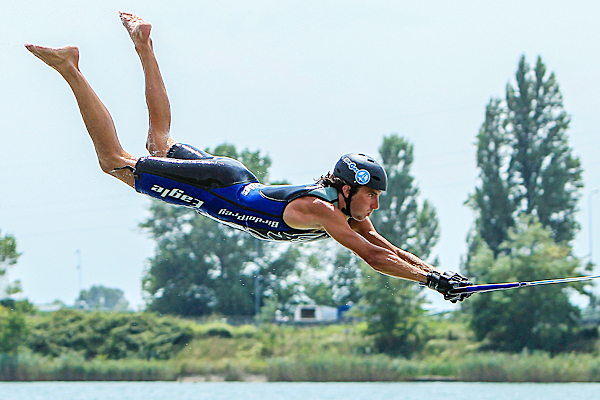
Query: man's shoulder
x=311, y=212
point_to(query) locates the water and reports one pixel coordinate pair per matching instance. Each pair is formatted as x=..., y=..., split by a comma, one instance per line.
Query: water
x=295, y=391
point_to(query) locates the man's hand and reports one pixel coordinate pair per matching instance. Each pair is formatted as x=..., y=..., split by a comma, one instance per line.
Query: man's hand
x=445, y=282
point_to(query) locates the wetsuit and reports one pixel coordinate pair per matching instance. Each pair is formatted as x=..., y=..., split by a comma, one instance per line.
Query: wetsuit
x=225, y=190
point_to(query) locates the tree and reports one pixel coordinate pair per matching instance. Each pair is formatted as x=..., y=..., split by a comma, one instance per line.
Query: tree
x=394, y=307
x=13, y=328
x=543, y=164
x=525, y=205
x=8, y=252
x=536, y=318
x=394, y=313
x=103, y=299
x=492, y=198
x=525, y=162
x=400, y=218
x=346, y=278
x=109, y=335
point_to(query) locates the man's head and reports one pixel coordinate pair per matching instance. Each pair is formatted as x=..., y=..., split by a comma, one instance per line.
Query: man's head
x=358, y=175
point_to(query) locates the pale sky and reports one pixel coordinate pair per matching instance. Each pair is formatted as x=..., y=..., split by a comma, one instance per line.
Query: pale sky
x=303, y=81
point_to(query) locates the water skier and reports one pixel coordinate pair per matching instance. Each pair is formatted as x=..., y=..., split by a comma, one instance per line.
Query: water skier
x=337, y=206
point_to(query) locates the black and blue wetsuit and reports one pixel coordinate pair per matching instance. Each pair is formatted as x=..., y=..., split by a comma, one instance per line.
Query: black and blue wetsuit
x=225, y=190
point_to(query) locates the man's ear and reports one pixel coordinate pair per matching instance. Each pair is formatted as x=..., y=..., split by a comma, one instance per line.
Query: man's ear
x=346, y=190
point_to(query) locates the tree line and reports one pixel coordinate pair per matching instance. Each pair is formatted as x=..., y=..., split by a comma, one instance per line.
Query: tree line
x=525, y=201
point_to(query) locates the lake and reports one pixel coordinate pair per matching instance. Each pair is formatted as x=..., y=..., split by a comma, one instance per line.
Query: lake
x=295, y=391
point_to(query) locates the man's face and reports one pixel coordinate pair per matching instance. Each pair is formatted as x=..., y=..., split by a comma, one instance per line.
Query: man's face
x=364, y=202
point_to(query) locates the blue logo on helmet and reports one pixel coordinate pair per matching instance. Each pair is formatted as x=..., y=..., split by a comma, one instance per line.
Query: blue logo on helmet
x=363, y=176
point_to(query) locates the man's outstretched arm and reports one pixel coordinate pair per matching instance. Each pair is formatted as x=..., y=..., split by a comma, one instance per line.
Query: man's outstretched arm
x=436, y=279
x=366, y=229
x=378, y=255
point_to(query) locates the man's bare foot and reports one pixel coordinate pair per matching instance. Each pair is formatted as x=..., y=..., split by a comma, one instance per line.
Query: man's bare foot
x=61, y=59
x=139, y=30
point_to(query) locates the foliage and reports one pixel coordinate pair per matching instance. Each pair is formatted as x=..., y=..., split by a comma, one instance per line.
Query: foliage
x=524, y=160
x=538, y=317
x=400, y=218
x=492, y=198
x=112, y=336
x=29, y=366
x=394, y=307
x=8, y=257
x=278, y=276
x=301, y=353
x=529, y=367
x=8, y=252
x=13, y=329
x=103, y=299
x=394, y=314
x=346, y=278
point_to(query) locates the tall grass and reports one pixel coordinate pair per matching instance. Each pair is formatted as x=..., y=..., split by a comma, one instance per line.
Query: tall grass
x=32, y=367
x=342, y=369
x=537, y=367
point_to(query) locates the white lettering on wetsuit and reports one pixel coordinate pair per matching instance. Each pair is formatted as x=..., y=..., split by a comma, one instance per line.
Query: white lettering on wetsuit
x=250, y=218
x=177, y=194
x=248, y=188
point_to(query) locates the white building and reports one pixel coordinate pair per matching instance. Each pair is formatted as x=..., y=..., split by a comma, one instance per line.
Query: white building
x=315, y=313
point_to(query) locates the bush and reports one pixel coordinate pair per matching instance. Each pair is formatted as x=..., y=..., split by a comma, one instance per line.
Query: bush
x=112, y=336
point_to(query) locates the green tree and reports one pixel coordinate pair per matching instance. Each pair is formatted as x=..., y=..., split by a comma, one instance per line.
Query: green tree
x=394, y=312
x=8, y=252
x=400, y=218
x=543, y=164
x=13, y=329
x=394, y=307
x=492, y=198
x=536, y=318
x=278, y=279
x=525, y=162
x=109, y=335
x=525, y=201
x=346, y=278
x=103, y=299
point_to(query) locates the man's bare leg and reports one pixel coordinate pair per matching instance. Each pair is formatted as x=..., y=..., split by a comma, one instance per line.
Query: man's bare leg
x=96, y=117
x=159, y=110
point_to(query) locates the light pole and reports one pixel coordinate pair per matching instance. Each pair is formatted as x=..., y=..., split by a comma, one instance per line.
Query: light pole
x=78, y=252
x=591, y=221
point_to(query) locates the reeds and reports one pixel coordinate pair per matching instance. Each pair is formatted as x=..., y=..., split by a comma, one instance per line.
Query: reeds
x=32, y=367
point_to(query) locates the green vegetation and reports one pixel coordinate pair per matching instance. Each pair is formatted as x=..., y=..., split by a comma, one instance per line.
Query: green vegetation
x=272, y=352
x=107, y=336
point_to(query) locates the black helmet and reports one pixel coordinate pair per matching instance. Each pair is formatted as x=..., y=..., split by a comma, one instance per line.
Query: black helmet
x=361, y=170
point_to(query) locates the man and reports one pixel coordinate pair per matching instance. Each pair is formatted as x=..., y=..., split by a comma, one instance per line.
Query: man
x=337, y=206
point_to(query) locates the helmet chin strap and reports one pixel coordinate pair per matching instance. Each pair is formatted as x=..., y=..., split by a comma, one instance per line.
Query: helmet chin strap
x=347, y=200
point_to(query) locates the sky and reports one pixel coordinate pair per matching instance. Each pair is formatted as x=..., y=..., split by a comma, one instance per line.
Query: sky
x=302, y=81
